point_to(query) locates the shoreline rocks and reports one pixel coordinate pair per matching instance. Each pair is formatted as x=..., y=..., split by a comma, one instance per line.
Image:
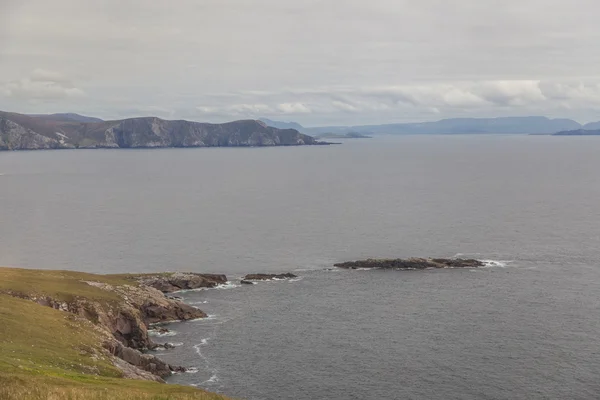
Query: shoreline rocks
x=411, y=263
x=174, y=282
x=266, y=277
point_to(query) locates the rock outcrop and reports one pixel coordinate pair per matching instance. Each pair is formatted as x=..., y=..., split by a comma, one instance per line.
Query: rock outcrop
x=173, y=282
x=267, y=277
x=412, y=263
x=27, y=132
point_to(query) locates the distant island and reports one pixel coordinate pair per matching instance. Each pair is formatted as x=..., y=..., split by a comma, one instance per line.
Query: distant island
x=349, y=135
x=579, y=132
x=72, y=131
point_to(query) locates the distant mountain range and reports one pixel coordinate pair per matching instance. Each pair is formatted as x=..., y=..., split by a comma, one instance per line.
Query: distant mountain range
x=579, y=132
x=282, y=125
x=67, y=117
x=513, y=125
x=64, y=131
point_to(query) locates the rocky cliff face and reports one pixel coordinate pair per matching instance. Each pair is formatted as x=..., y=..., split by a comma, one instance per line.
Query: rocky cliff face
x=24, y=132
x=124, y=323
x=16, y=137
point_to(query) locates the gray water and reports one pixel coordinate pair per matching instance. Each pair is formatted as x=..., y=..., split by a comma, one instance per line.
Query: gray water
x=525, y=327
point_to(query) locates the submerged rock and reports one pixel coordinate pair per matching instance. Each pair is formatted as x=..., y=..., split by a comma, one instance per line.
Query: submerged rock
x=267, y=277
x=245, y=282
x=412, y=263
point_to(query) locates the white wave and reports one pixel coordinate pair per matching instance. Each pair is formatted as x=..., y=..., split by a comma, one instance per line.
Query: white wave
x=197, y=302
x=214, y=378
x=192, y=370
x=176, y=344
x=158, y=334
x=463, y=255
x=295, y=279
x=210, y=317
x=496, y=263
x=226, y=285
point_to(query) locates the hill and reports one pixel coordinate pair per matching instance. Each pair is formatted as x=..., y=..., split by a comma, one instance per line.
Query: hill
x=282, y=124
x=25, y=132
x=67, y=117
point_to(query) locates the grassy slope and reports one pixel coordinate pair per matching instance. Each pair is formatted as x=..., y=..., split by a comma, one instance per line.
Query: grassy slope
x=47, y=354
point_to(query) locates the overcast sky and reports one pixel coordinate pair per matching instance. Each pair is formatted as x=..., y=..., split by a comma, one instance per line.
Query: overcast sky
x=317, y=62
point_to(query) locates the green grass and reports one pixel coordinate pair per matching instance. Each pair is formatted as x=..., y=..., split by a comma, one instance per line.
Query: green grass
x=51, y=354
x=61, y=285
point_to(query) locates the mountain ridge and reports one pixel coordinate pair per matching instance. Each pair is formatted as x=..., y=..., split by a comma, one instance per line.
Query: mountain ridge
x=514, y=125
x=25, y=132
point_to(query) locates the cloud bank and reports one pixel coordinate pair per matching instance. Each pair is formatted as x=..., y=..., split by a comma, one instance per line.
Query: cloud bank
x=317, y=62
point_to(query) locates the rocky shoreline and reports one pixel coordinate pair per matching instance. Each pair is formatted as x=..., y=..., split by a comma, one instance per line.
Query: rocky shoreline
x=124, y=321
x=411, y=263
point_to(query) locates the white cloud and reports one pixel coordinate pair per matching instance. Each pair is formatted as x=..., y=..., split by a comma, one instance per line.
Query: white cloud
x=341, y=105
x=249, y=108
x=381, y=61
x=42, y=85
x=293, y=108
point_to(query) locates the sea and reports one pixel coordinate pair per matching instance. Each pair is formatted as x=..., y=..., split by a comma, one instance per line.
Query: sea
x=526, y=326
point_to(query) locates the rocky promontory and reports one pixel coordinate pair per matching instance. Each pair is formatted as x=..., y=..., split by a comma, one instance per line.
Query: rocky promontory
x=412, y=263
x=121, y=309
x=61, y=131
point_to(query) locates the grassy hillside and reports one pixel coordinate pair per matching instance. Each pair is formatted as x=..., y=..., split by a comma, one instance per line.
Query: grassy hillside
x=51, y=354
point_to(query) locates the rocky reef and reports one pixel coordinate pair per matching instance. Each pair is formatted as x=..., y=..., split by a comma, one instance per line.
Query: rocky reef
x=266, y=277
x=411, y=263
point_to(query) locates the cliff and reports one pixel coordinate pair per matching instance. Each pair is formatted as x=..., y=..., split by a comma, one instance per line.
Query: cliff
x=63, y=328
x=26, y=132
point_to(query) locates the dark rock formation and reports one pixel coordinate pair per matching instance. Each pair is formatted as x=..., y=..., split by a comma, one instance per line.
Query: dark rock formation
x=173, y=282
x=412, y=263
x=245, y=282
x=26, y=132
x=267, y=277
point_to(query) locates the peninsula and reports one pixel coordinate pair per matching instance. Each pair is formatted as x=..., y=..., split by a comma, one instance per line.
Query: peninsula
x=71, y=131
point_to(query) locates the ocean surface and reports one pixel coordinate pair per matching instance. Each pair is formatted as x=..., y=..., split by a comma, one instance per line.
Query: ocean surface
x=527, y=326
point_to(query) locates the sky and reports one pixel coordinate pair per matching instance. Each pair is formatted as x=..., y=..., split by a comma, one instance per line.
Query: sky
x=316, y=62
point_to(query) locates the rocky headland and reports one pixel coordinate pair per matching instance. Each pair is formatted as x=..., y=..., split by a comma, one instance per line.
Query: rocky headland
x=62, y=131
x=411, y=263
x=106, y=319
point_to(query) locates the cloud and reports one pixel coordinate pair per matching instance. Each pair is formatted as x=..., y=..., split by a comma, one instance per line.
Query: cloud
x=381, y=61
x=42, y=85
x=293, y=108
x=249, y=108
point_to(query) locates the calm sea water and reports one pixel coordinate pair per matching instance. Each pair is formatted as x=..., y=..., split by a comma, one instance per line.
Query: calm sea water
x=527, y=327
